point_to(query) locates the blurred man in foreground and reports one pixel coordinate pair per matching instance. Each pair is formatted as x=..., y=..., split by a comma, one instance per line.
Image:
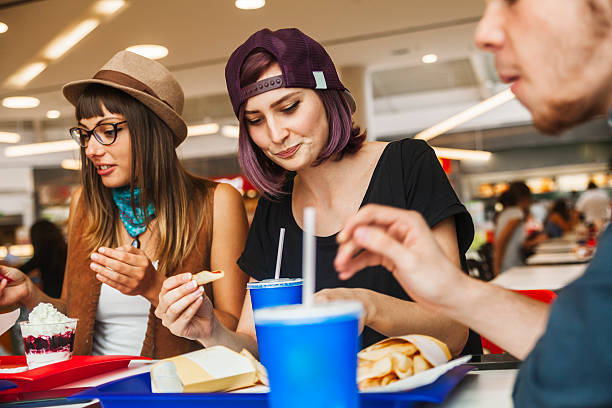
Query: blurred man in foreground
x=558, y=57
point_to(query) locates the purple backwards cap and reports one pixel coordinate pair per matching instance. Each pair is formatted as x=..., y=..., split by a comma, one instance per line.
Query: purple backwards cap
x=303, y=61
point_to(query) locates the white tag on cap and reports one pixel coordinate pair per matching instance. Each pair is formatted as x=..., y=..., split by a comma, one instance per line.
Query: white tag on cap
x=319, y=77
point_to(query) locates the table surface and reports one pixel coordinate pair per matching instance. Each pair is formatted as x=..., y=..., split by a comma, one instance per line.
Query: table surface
x=555, y=258
x=485, y=388
x=552, y=277
x=555, y=247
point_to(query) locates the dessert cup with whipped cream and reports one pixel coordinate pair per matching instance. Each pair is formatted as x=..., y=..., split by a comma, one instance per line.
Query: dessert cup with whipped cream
x=48, y=336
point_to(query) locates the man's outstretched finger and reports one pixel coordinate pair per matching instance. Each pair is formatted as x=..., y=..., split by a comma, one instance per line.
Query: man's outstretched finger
x=347, y=251
x=378, y=215
x=347, y=267
x=376, y=240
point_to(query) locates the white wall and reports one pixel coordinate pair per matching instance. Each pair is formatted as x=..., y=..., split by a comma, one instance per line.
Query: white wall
x=409, y=114
x=17, y=193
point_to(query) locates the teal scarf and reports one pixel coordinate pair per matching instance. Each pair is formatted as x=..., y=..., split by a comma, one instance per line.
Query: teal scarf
x=134, y=223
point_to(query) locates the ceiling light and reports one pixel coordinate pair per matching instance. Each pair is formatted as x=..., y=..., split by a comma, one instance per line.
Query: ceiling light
x=40, y=148
x=230, y=131
x=573, y=182
x=461, y=154
x=429, y=58
x=53, y=114
x=205, y=129
x=3, y=28
x=69, y=39
x=27, y=73
x=71, y=164
x=20, y=102
x=9, y=137
x=466, y=115
x=149, y=50
x=250, y=4
x=108, y=7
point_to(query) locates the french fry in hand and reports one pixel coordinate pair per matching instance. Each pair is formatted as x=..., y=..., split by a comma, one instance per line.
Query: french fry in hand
x=204, y=277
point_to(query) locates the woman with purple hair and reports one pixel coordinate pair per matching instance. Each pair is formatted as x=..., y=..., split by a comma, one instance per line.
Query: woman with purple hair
x=298, y=145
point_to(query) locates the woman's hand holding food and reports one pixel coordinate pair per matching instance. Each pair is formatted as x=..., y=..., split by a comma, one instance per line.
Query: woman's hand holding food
x=356, y=294
x=184, y=308
x=128, y=270
x=14, y=286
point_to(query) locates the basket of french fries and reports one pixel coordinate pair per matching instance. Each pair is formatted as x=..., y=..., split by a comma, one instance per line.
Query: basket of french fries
x=402, y=363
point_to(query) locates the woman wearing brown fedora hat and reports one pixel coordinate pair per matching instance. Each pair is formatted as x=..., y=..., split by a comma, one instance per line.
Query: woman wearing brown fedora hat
x=298, y=145
x=139, y=217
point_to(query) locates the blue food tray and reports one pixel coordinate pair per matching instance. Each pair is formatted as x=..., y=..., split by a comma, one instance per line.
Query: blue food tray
x=136, y=391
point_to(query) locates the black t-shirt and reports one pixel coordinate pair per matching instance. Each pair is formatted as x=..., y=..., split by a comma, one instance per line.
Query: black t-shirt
x=408, y=175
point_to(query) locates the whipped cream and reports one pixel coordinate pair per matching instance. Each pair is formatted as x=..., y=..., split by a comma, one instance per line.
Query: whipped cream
x=46, y=313
x=45, y=320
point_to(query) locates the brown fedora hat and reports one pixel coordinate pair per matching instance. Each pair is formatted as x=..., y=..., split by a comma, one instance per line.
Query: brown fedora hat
x=144, y=79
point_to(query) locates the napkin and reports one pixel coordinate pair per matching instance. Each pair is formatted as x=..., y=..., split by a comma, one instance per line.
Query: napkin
x=7, y=320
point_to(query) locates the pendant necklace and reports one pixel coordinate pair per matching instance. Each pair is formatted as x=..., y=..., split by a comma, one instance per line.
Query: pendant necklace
x=136, y=242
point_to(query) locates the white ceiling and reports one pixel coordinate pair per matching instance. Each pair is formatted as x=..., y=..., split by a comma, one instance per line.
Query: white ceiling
x=201, y=34
x=386, y=37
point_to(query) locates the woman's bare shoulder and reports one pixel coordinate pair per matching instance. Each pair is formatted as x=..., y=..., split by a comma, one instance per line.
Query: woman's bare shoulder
x=370, y=151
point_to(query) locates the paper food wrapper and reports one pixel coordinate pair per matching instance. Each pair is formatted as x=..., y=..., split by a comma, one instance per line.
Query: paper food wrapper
x=7, y=320
x=432, y=350
x=213, y=369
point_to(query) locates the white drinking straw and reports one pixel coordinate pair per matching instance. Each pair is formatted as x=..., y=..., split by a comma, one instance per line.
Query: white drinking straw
x=308, y=257
x=279, y=255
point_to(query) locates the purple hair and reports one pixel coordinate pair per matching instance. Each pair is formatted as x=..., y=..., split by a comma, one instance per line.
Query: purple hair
x=268, y=177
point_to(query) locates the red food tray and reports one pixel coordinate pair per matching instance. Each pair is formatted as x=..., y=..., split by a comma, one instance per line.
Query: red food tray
x=64, y=372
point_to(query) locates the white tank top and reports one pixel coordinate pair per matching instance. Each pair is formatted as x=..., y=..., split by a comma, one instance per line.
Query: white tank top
x=121, y=323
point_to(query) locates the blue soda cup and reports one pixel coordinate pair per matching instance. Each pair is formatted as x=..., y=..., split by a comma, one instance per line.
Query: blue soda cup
x=275, y=292
x=310, y=354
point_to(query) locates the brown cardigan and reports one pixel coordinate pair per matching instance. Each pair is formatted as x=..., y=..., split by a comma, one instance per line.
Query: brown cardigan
x=81, y=289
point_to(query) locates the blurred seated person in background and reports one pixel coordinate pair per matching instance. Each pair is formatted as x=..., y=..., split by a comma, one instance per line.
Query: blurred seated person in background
x=139, y=217
x=46, y=267
x=560, y=62
x=594, y=205
x=559, y=219
x=299, y=146
x=511, y=240
x=49, y=257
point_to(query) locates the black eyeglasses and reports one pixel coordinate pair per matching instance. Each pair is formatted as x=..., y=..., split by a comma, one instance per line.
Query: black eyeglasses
x=105, y=133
